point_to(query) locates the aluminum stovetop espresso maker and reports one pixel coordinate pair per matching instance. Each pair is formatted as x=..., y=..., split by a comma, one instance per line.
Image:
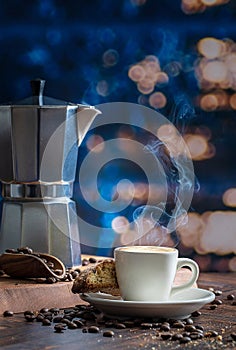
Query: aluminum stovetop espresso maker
x=39, y=139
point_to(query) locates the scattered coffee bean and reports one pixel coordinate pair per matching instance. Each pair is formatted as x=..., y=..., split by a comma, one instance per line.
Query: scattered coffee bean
x=230, y=296
x=54, y=310
x=12, y=251
x=190, y=328
x=79, y=323
x=85, y=330
x=8, y=313
x=186, y=334
x=233, y=336
x=199, y=327
x=92, y=260
x=57, y=319
x=213, y=307
x=129, y=324
x=93, y=329
x=176, y=336
x=165, y=328
x=166, y=336
x=58, y=272
x=43, y=310
x=46, y=322
x=218, y=302
x=72, y=325
x=185, y=340
x=59, y=328
x=189, y=321
x=217, y=292
x=28, y=312
x=85, y=262
x=39, y=318
x=25, y=250
x=74, y=274
x=120, y=326
x=178, y=325
x=30, y=318
x=108, y=334
x=196, y=313
x=210, y=334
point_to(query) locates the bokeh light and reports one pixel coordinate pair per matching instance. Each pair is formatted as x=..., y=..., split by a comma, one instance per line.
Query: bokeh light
x=157, y=100
x=120, y=224
x=95, y=143
x=229, y=197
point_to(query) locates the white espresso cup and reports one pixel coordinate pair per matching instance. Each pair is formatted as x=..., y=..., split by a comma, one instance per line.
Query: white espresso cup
x=146, y=273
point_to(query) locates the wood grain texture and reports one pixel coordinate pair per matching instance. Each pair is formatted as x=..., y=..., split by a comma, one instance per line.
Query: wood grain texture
x=16, y=333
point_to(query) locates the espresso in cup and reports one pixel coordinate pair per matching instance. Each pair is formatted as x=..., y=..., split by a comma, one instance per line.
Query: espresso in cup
x=147, y=273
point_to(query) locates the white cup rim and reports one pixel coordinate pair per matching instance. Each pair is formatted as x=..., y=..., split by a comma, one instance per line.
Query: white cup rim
x=163, y=250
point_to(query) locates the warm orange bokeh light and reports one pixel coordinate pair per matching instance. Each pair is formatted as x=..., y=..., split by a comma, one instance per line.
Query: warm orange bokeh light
x=215, y=71
x=197, y=145
x=229, y=197
x=157, y=100
x=232, y=101
x=136, y=72
x=95, y=143
x=209, y=102
x=210, y=47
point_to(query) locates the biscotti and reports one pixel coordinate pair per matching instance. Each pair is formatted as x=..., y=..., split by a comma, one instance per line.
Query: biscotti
x=98, y=278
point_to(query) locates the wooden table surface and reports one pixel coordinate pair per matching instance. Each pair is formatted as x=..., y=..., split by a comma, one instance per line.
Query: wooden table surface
x=17, y=333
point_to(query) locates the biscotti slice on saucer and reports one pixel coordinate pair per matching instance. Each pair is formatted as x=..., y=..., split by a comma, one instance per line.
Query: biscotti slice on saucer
x=98, y=278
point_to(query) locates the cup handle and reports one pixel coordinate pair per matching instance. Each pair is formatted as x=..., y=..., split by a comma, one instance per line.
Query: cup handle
x=182, y=262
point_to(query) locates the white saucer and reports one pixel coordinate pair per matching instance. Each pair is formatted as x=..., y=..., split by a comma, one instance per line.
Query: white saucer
x=179, y=306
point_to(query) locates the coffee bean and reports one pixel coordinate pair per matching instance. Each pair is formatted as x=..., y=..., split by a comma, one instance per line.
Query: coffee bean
x=11, y=251
x=210, y=334
x=177, y=336
x=199, y=327
x=230, y=296
x=213, y=307
x=178, y=325
x=25, y=250
x=85, y=262
x=72, y=325
x=217, y=292
x=93, y=329
x=30, y=318
x=108, y=334
x=43, y=310
x=233, y=303
x=79, y=323
x=65, y=321
x=189, y=321
x=39, y=318
x=54, y=310
x=85, y=330
x=77, y=270
x=190, y=328
x=74, y=274
x=165, y=328
x=92, y=260
x=28, y=312
x=185, y=340
x=186, y=334
x=166, y=336
x=120, y=326
x=46, y=322
x=58, y=272
x=59, y=328
x=8, y=313
x=233, y=336
x=196, y=313
x=218, y=302
x=69, y=277
x=57, y=319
